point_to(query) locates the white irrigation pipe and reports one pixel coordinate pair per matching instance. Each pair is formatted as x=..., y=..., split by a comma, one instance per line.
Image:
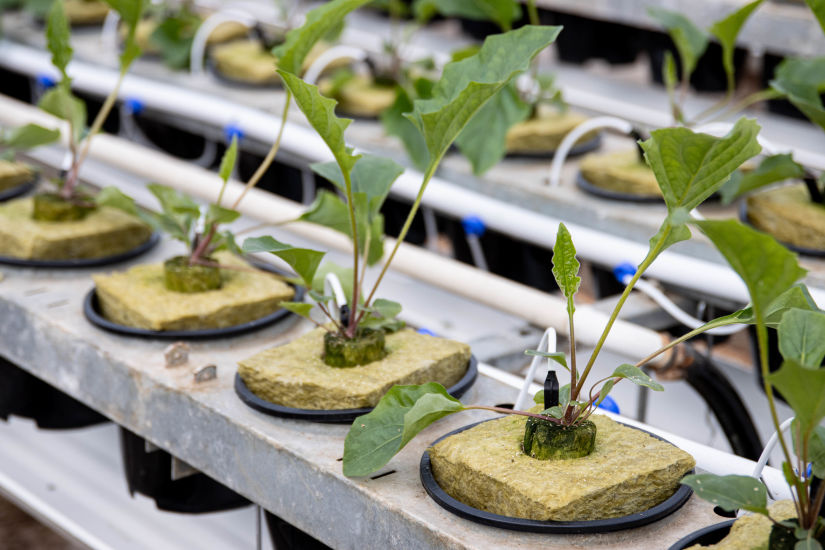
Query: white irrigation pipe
x=573, y=136
x=599, y=247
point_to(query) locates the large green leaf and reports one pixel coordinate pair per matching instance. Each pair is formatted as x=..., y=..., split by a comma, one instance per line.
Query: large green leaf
x=816, y=451
x=691, y=41
x=818, y=7
x=174, y=36
x=304, y=261
x=130, y=12
x=28, y=137
x=691, y=166
x=566, y=266
x=372, y=175
x=767, y=268
x=726, y=30
x=802, y=337
x=396, y=124
x=771, y=170
x=377, y=436
x=57, y=38
x=318, y=23
x=731, y=492
x=501, y=12
x=220, y=215
x=801, y=81
x=637, y=376
x=320, y=112
x=62, y=103
x=466, y=85
x=804, y=390
x=484, y=140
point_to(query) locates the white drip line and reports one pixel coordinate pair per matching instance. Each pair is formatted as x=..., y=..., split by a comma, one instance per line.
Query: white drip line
x=765, y=456
x=330, y=56
x=333, y=288
x=573, y=136
x=546, y=344
x=712, y=278
x=198, y=50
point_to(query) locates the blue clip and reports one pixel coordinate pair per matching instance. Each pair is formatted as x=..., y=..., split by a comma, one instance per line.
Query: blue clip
x=623, y=270
x=473, y=225
x=426, y=331
x=232, y=131
x=45, y=81
x=133, y=105
x=609, y=404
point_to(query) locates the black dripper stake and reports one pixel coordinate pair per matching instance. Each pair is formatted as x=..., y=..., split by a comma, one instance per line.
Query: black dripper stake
x=637, y=136
x=813, y=188
x=551, y=390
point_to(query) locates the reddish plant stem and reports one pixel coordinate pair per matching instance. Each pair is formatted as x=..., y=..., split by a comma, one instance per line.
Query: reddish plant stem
x=502, y=410
x=203, y=244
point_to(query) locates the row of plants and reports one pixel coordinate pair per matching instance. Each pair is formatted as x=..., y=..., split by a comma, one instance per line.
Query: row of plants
x=327, y=369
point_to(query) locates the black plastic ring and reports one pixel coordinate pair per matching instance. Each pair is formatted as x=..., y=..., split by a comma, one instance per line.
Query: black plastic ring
x=589, y=187
x=84, y=262
x=577, y=150
x=336, y=416
x=440, y=496
x=93, y=313
x=17, y=190
x=706, y=536
x=743, y=217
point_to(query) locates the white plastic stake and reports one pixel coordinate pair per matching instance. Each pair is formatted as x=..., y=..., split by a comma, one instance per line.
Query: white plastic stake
x=547, y=344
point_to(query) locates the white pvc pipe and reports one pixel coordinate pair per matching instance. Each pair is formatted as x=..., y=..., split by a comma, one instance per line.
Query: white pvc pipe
x=714, y=279
x=329, y=56
x=573, y=136
x=546, y=344
x=198, y=50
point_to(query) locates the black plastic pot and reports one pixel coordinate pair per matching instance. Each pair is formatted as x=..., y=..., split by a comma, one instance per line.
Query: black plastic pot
x=84, y=262
x=94, y=314
x=575, y=151
x=336, y=416
x=707, y=536
x=676, y=501
x=17, y=190
x=588, y=187
x=286, y=536
x=24, y=395
x=150, y=474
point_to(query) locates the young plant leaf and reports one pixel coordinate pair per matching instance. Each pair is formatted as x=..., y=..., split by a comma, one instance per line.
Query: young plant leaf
x=114, y=197
x=174, y=36
x=606, y=387
x=818, y=7
x=690, y=166
x=726, y=30
x=228, y=160
x=690, y=41
x=799, y=80
x=320, y=112
x=767, y=268
x=772, y=169
x=637, y=376
x=396, y=124
x=804, y=390
x=329, y=210
x=371, y=175
x=28, y=137
x=298, y=308
x=806, y=540
x=220, y=215
x=731, y=492
x=816, y=451
x=60, y=102
x=484, y=140
x=566, y=266
x=671, y=80
x=501, y=12
x=318, y=24
x=130, y=12
x=57, y=38
x=557, y=356
x=172, y=202
x=304, y=261
x=802, y=337
x=466, y=85
x=377, y=436
x=386, y=308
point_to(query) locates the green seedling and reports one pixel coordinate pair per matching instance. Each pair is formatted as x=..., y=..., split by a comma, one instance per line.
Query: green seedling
x=13, y=140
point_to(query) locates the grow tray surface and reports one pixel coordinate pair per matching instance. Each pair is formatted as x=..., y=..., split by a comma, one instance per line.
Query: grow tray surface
x=295, y=375
x=104, y=232
x=138, y=298
x=628, y=472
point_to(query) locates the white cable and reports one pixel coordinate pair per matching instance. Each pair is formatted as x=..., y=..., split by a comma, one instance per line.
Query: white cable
x=332, y=287
x=547, y=344
x=329, y=56
x=573, y=136
x=198, y=51
x=678, y=313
